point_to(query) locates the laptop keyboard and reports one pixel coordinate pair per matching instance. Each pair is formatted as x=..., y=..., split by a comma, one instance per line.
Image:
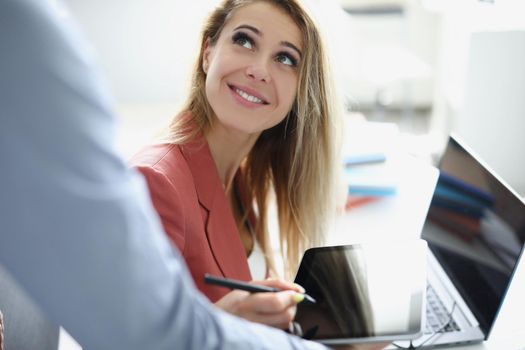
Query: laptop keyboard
x=438, y=318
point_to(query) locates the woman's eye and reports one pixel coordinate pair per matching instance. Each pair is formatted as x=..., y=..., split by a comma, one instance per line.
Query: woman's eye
x=243, y=40
x=286, y=59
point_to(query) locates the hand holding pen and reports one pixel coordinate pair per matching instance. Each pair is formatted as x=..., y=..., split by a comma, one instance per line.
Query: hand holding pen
x=273, y=308
x=252, y=287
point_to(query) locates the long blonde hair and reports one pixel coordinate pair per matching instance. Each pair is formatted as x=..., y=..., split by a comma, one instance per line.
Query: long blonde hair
x=296, y=159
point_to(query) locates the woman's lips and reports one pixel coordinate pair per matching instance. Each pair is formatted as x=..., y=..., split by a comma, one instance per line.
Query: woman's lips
x=248, y=95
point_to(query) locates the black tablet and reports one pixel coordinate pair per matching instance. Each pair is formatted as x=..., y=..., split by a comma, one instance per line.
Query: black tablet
x=363, y=292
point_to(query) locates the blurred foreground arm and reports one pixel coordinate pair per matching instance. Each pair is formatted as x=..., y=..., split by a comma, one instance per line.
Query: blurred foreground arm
x=78, y=230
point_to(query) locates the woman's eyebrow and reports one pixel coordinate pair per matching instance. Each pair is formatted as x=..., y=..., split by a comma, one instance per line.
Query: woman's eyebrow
x=291, y=46
x=258, y=32
x=249, y=27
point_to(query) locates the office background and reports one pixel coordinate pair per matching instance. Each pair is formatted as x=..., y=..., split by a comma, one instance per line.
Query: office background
x=430, y=66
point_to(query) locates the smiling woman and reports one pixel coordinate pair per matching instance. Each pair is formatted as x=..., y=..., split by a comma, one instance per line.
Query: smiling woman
x=251, y=70
x=259, y=125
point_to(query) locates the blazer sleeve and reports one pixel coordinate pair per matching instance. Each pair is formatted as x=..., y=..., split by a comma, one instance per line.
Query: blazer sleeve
x=168, y=204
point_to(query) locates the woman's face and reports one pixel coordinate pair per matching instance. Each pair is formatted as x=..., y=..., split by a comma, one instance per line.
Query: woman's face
x=252, y=70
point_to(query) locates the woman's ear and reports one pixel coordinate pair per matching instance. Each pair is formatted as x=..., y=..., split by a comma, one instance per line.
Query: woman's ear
x=206, y=56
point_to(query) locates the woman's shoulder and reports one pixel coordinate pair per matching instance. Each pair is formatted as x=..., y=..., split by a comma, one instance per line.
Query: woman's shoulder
x=163, y=160
x=155, y=154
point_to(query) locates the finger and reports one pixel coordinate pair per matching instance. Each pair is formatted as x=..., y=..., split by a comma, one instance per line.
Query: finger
x=299, y=288
x=281, y=284
x=232, y=300
x=269, y=303
x=280, y=320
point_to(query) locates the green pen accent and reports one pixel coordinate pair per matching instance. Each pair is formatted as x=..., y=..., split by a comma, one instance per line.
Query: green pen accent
x=298, y=297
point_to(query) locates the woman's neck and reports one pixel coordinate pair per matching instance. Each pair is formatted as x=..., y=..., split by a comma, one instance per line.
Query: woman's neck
x=228, y=148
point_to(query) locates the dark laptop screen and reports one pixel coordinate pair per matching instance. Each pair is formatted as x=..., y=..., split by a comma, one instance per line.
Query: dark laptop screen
x=476, y=229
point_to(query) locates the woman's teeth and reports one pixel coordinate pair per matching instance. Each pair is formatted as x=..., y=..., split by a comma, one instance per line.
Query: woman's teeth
x=248, y=97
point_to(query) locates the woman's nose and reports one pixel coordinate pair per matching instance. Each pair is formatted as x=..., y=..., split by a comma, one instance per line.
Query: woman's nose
x=258, y=71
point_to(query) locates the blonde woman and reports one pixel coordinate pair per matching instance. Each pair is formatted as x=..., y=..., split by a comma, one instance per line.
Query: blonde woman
x=258, y=126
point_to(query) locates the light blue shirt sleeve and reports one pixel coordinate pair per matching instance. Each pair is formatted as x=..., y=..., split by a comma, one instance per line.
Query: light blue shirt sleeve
x=77, y=227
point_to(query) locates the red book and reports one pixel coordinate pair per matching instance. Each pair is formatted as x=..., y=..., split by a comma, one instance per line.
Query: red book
x=356, y=201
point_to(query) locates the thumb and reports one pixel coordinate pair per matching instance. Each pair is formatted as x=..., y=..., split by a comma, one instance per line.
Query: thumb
x=290, y=297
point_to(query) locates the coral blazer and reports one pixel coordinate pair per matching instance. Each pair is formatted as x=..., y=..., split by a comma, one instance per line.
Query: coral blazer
x=187, y=193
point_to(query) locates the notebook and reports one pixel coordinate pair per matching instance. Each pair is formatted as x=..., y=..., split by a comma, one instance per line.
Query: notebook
x=475, y=229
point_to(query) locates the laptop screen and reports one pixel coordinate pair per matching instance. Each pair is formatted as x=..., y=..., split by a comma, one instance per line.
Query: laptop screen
x=476, y=229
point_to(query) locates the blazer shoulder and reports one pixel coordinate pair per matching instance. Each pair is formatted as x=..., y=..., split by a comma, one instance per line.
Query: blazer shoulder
x=153, y=155
x=166, y=159
x=167, y=176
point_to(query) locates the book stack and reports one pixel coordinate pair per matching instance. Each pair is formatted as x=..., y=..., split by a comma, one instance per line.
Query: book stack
x=369, y=170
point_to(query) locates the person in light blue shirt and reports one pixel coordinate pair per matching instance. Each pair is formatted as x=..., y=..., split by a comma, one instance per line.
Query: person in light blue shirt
x=78, y=229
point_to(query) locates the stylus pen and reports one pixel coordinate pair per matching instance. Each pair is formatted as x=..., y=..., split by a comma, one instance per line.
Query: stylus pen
x=252, y=288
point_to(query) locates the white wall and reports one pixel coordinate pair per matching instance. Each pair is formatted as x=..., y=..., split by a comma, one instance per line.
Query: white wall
x=492, y=119
x=146, y=47
x=146, y=50
x=480, y=81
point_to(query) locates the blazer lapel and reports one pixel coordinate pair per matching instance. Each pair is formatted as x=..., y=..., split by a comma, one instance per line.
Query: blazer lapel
x=221, y=229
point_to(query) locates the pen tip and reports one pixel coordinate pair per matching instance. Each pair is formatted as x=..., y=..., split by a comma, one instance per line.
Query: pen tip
x=310, y=299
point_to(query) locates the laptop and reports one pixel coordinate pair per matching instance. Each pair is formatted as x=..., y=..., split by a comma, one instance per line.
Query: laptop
x=475, y=229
